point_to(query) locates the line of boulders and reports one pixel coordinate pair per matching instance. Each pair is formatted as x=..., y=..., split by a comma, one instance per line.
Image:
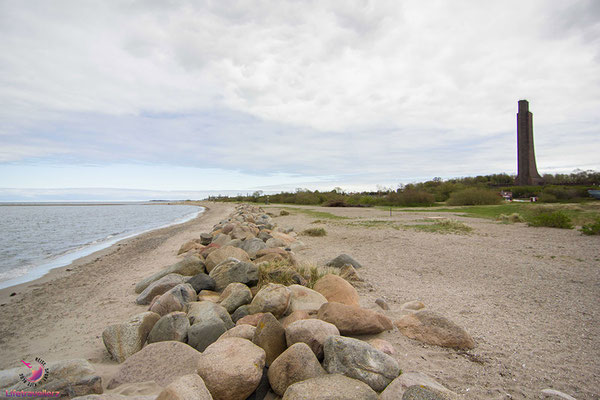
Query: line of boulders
x=211, y=333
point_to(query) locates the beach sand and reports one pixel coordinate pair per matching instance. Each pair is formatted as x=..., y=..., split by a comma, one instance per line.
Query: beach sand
x=529, y=297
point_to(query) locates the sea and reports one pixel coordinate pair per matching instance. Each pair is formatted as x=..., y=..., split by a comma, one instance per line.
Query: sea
x=34, y=238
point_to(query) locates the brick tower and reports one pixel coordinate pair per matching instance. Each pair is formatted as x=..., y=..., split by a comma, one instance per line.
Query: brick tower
x=527, y=172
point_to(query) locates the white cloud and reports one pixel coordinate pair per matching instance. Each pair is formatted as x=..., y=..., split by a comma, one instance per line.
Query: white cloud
x=392, y=89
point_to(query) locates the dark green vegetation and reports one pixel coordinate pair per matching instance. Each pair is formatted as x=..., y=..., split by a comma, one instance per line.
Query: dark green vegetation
x=479, y=190
x=552, y=219
x=593, y=228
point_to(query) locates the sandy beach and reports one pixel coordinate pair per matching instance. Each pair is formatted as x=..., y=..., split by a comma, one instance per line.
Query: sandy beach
x=528, y=296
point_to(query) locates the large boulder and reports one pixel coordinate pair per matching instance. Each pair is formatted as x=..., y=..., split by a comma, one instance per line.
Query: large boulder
x=222, y=254
x=359, y=360
x=396, y=389
x=205, y=332
x=205, y=239
x=243, y=331
x=195, y=244
x=189, y=266
x=273, y=298
x=235, y=295
x=123, y=340
x=252, y=246
x=352, y=320
x=71, y=378
x=294, y=316
x=232, y=270
x=187, y=387
x=418, y=392
x=337, y=289
x=202, y=282
x=330, y=387
x=343, y=259
x=232, y=368
x=313, y=332
x=240, y=312
x=283, y=237
x=305, y=299
x=270, y=335
x=432, y=328
x=159, y=287
x=383, y=345
x=251, y=319
x=221, y=239
x=173, y=326
x=204, y=310
x=174, y=299
x=295, y=364
x=162, y=362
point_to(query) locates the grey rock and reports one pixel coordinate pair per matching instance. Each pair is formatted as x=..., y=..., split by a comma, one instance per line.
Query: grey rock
x=417, y=392
x=273, y=298
x=232, y=270
x=162, y=362
x=295, y=364
x=174, y=299
x=382, y=303
x=342, y=260
x=202, y=310
x=206, y=238
x=159, y=287
x=396, y=389
x=359, y=360
x=232, y=368
x=173, y=326
x=189, y=266
x=204, y=333
x=312, y=332
x=71, y=378
x=235, y=295
x=252, y=246
x=270, y=336
x=240, y=313
x=123, y=340
x=264, y=236
x=243, y=331
x=222, y=254
x=330, y=387
x=202, y=282
x=187, y=387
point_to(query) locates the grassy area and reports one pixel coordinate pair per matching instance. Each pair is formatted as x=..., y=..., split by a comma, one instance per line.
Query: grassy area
x=313, y=213
x=580, y=214
x=444, y=227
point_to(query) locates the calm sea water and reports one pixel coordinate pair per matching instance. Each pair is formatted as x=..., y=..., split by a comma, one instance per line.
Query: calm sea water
x=35, y=239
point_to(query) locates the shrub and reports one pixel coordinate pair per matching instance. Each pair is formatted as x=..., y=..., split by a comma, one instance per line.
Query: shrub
x=283, y=212
x=314, y=232
x=593, y=228
x=474, y=197
x=545, y=197
x=510, y=219
x=554, y=219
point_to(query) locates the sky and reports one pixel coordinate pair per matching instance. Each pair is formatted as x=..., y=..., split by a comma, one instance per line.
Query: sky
x=177, y=99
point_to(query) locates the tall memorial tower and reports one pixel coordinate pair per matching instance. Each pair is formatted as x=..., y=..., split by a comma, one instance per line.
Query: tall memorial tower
x=527, y=171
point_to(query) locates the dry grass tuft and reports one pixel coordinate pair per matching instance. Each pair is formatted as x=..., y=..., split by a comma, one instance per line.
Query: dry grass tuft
x=315, y=232
x=284, y=273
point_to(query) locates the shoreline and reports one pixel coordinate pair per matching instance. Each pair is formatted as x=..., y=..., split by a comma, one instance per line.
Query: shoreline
x=72, y=256
x=63, y=314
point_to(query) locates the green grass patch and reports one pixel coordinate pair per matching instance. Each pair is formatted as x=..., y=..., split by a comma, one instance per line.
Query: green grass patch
x=593, y=228
x=474, y=197
x=315, y=232
x=284, y=212
x=510, y=219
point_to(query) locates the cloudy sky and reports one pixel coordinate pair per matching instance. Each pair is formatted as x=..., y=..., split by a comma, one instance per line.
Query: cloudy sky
x=187, y=97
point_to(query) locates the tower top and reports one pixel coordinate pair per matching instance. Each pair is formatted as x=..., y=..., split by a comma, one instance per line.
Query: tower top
x=523, y=106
